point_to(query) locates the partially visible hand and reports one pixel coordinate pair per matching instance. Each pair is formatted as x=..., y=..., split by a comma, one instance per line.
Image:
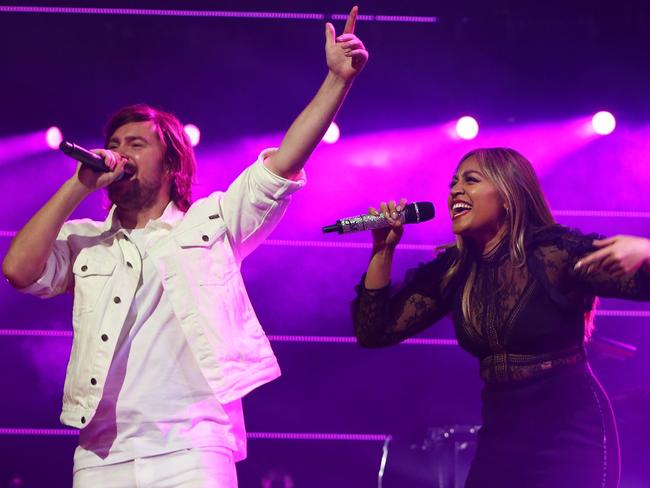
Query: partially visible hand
x=619, y=256
x=388, y=237
x=346, y=55
x=93, y=180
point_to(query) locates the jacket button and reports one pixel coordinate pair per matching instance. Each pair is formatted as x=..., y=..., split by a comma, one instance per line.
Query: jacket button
x=128, y=263
x=205, y=238
x=117, y=299
x=104, y=337
x=84, y=268
x=93, y=381
x=83, y=420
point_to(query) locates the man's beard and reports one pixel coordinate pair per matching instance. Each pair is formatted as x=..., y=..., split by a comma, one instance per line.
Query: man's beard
x=134, y=194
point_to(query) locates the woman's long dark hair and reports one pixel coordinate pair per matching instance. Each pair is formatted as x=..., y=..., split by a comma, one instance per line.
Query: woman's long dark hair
x=519, y=188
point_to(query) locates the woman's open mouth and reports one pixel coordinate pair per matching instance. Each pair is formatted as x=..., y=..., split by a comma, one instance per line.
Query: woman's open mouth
x=459, y=209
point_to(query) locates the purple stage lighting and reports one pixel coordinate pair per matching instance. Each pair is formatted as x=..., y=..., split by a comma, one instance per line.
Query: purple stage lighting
x=53, y=137
x=467, y=128
x=333, y=133
x=603, y=123
x=193, y=133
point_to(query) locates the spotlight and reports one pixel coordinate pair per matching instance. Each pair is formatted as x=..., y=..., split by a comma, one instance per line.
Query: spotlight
x=53, y=137
x=603, y=123
x=467, y=128
x=333, y=133
x=193, y=133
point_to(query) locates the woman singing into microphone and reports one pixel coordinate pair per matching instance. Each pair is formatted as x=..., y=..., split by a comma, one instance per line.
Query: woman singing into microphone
x=520, y=290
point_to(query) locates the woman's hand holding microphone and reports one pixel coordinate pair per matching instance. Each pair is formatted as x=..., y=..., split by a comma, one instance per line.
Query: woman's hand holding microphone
x=386, y=239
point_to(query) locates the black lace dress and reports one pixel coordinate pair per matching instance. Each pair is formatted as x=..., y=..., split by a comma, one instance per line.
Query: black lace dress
x=546, y=420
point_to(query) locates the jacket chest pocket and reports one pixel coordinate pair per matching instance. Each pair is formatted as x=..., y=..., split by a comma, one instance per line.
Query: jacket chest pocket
x=91, y=278
x=205, y=253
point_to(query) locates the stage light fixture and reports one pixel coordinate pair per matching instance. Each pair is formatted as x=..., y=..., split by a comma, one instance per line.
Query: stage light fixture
x=193, y=133
x=603, y=123
x=467, y=128
x=333, y=133
x=53, y=137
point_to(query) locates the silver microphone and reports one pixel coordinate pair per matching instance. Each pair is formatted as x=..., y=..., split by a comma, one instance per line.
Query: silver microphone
x=413, y=213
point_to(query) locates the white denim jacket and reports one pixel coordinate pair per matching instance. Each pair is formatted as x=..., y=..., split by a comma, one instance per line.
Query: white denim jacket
x=199, y=265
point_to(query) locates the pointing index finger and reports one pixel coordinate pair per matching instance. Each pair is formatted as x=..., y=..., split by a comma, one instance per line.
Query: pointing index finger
x=352, y=20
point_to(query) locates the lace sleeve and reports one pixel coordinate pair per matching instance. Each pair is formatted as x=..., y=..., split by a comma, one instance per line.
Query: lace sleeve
x=559, y=256
x=389, y=315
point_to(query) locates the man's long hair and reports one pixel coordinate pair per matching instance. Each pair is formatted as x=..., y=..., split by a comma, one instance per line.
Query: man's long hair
x=178, y=155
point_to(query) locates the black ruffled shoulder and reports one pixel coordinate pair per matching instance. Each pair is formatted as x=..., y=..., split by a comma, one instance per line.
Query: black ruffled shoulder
x=552, y=252
x=568, y=239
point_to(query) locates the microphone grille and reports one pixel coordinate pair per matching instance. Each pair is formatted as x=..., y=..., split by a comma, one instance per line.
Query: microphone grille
x=66, y=147
x=418, y=212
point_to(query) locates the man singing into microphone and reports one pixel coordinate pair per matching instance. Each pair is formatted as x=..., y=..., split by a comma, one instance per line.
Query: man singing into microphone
x=165, y=339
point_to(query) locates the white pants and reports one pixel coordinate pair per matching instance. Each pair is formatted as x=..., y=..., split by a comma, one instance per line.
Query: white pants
x=206, y=467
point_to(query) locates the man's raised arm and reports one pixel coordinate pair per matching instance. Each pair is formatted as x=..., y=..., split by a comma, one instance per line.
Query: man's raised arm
x=346, y=57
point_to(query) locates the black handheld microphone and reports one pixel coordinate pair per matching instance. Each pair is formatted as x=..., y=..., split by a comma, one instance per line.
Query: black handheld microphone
x=84, y=156
x=413, y=213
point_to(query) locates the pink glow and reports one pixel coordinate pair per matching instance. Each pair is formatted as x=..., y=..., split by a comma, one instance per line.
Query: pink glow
x=396, y=149
x=20, y=146
x=53, y=137
x=193, y=133
x=543, y=143
x=603, y=123
x=339, y=244
x=605, y=214
x=333, y=133
x=467, y=128
x=416, y=163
